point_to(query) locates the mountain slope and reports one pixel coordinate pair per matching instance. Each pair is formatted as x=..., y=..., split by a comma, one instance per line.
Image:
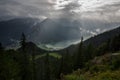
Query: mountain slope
x=10, y=31
x=49, y=33
x=95, y=41
x=103, y=37
x=33, y=48
x=38, y=31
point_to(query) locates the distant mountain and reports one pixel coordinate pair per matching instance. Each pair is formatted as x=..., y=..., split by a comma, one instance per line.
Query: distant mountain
x=95, y=41
x=43, y=32
x=11, y=30
x=103, y=37
x=51, y=34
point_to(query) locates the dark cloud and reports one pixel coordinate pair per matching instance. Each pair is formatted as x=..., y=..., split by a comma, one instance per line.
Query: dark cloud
x=24, y=8
x=56, y=8
x=71, y=17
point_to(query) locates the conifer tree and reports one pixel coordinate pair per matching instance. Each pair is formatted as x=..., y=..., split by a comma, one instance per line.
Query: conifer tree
x=25, y=71
x=1, y=48
x=60, y=71
x=23, y=42
x=33, y=65
x=79, y=60
x=47, y=68
x=89, y=52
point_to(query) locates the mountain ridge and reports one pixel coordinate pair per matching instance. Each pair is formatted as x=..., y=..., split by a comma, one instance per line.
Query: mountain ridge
x=94, y=41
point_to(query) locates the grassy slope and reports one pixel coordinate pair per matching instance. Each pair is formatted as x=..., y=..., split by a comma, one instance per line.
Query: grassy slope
x=55, y=55
x=107, y=69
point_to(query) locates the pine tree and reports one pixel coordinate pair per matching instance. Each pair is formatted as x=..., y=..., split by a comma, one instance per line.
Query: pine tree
x=23, y=42
x=67, y=62
x=25, y=71
x=47, y=68
x=89, y=52
x=1, y=48
x=60, y=71
x=116, y=43
x=79, y=60
x=33, y=65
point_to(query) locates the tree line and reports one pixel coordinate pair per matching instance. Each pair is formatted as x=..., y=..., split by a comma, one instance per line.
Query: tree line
x=20, y=65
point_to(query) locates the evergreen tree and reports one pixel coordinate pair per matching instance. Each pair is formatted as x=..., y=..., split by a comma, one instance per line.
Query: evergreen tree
x=102, y=49
x=47, y=68
x=89, y=52
x=109, y=45
x=115, y=43
x=79, y=60
x=1, y=48
x=60, y=71
x=25, y=71
x=33, y=65
x=23, y=42
x=66, y=64
x=9, y=67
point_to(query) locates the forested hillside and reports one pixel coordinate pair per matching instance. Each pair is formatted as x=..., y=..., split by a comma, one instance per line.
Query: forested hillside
x=85, y=62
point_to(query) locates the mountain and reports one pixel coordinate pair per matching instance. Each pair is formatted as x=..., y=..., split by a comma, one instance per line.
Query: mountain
x=54, y=31
x=103, y=37
x=95, y=41
x=11, y=30
x=50, y=34
x=43, y=32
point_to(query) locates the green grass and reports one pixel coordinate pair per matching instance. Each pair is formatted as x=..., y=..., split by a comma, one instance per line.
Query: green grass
x=107, y=69
x=74, y=77
x=55, y=55
x=107, y=75
x=39, y=56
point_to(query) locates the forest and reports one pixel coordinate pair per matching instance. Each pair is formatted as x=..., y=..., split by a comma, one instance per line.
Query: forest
x=87, y=62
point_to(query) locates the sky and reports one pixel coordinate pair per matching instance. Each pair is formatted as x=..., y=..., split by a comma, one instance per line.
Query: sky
x=91, y=16
x=97, y=9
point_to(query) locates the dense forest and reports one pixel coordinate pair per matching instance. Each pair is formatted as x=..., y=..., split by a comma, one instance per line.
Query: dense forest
x=88, y=62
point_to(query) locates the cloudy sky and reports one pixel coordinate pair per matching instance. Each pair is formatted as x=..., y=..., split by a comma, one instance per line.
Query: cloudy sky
x=91, y=16
x=98, y=9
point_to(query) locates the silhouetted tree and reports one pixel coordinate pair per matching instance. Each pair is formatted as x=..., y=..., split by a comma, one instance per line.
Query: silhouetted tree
x=115, y=43
x=60, y=71
x=25, y=71
x=89, y=52
x=9, y=67
x=79, y=60
x=33, y=65
x=1, y=48
x=66, y=63
x=23, y=42
x=102, y=49
x=47, y=68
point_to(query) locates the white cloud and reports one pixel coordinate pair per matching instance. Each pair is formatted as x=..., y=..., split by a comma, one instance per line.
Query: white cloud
x=98, y=30
x=88, y=13
x=84, y=31
x=60, y=8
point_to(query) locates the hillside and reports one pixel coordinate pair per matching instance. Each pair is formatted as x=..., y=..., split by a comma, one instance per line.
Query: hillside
x=32, y=47
x=103, y=37
x=42, y=32
x=11, y=30
x=98, y=61
x=77, y=62
x=105, y=67
x=96, y=40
